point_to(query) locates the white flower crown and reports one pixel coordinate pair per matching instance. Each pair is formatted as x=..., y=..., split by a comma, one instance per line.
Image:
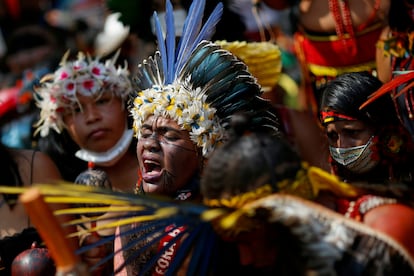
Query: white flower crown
x=86, y=76
x=186, y=106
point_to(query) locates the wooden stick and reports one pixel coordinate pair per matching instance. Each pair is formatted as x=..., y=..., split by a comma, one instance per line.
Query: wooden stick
x=51, y=231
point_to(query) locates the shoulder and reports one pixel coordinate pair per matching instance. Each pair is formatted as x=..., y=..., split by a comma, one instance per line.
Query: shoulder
x=44, y=169
x=395, y=220
x=37, y=165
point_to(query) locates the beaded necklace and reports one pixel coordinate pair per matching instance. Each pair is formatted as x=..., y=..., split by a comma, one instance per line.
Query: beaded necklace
x=343, y=23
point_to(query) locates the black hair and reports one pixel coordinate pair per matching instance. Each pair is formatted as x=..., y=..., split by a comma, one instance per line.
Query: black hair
x=399, y=18
x=248, y=160
x=61, y=149
x=10, y=172
x=346, y=93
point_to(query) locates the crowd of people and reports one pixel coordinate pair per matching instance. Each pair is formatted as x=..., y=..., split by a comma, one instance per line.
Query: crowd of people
x=168, y=109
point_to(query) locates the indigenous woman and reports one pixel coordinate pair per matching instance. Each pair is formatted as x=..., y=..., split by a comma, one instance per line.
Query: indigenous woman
x=84, y=125
x=186, y=96
x=84, y=119
x=371, y=149
x=276, y=227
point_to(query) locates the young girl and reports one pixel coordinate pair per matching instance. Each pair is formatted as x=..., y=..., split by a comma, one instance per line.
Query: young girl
x=84, y=120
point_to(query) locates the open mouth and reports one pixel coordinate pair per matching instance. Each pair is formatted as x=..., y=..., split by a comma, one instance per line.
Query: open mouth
x=151, y=166
x=152, y=171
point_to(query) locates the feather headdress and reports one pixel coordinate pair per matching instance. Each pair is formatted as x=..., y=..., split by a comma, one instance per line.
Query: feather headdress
x=401, y=90
x=326, y=238
x=197, y=83
x=86, y=76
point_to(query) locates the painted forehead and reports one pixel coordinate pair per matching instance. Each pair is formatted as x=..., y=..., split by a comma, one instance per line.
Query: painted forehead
x=331, y=116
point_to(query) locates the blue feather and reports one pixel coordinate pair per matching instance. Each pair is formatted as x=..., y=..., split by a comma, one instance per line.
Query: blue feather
x=202, y=250
x=234, y=89
x=151, y=263
x=191, y=28
x=156, y=227
x=184, y=249
x=170, y=38
x=198, y=56
x=161, y=43
x=209, y=27
x=222, y=74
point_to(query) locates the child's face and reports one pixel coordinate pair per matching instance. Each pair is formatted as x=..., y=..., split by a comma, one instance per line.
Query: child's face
x=96, y=124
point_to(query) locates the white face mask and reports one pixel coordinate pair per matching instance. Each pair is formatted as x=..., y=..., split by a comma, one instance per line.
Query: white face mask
x=111, y=156
x=356, y=159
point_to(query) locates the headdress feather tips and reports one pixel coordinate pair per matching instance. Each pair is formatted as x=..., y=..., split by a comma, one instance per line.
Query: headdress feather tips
x=198, y=83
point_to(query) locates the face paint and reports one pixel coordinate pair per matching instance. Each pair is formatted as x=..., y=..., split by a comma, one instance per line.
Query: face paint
x=167, y=156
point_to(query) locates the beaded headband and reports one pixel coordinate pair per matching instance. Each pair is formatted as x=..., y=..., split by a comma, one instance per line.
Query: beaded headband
x=332, y=116
x=84, y=76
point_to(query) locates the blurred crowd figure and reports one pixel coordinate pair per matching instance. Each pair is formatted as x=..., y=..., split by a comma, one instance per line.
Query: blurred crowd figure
x=319, y=40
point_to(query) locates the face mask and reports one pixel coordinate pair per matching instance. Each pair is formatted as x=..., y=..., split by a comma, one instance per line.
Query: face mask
x=356, y=159
x=111, y=156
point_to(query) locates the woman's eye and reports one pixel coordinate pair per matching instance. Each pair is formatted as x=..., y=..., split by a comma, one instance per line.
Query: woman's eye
x=77, y=109
x=354, y=133
x=332, y=136
x=102, y=101
x=146, y=134
x=171, y=137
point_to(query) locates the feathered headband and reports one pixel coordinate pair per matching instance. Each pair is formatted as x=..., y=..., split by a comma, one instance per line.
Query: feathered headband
x=197, y=83
x=85, y=76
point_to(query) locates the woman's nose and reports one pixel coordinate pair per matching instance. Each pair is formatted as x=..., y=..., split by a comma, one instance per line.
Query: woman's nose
x=343, y=142
x=152, y=143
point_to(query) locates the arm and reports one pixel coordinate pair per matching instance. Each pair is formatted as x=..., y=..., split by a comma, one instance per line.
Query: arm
x=383, y=61
x=44, y=169
x=395, y=220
